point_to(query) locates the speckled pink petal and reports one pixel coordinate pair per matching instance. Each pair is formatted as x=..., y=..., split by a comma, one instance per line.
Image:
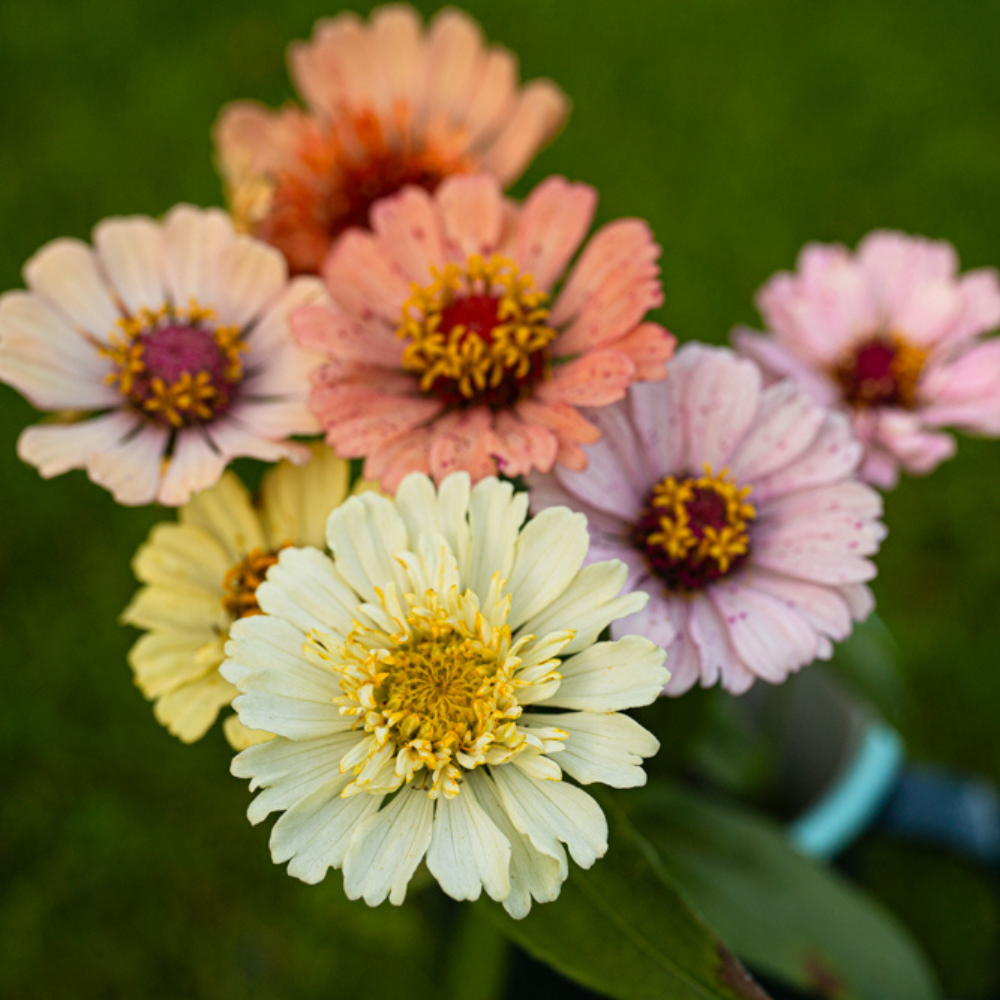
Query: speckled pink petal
x=719, y=661
x=660, y=620
x=390, y=463
x=966, y=392
x=897, y=263
x=410, y=230
x=596, y=379
x=650, y=347
x=824, y=608
x=720, y=400
x=655, y=415
x=918, y=450
x=553, y=222
x=779, y=362
x=472, y=215
x=343, y=337
x=557, y=490
x=522, y=448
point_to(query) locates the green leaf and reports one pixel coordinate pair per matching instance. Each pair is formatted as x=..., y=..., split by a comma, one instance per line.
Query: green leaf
x=784, y=914
x=622, y=929
x=477, y=959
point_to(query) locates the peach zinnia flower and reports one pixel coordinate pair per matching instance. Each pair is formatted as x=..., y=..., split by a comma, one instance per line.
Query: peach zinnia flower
x=387, y=106
x=737, y=510
x=443, y=350
x=164, y=351
x=892, y=335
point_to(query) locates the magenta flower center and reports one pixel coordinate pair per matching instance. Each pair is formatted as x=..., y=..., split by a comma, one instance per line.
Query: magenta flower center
x=175, y=366
x=881, y=371
x=478, y=334
x=695, y=530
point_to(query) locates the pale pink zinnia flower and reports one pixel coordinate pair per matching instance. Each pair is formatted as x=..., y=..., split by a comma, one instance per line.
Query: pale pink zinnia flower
x=164, y=352
x=737, y=510
x=891, y=335
x=387, y=105
x=443, y=350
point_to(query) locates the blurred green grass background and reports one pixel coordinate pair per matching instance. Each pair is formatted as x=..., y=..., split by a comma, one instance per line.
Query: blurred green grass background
x=740, y=131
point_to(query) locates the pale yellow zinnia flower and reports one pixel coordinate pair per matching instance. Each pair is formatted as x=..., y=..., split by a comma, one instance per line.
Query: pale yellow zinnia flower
x=201, y=575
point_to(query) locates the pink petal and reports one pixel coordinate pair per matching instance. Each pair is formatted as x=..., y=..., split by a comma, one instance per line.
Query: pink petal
x=719, y=661
x=896, y=264
x=904, y=437
x=655, y=411
x=778, y=362
x=596, y=379
x=553, y=223
x=556, y=490
x=824, y=608
x=966, y=392
x=472, y=214
x=661, y=621
x=539, y=113
x=391, y=462
x=929, y=312
x=408, y=227
x=341, y=336
x=980, y=291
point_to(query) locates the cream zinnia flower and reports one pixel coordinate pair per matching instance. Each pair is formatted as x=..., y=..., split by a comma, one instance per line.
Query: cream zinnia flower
x=202, y=574
x=412, y=679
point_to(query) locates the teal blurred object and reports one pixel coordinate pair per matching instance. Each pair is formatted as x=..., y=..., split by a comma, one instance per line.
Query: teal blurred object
x=739, y=130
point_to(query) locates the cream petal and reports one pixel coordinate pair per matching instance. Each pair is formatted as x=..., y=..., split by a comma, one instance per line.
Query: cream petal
x=552, y=811
x=314, y=834
x=467, y=851
x=601, y=747
x=131, y=469
x=547, y=556
x=226, y=513
x=179, y=554
x=131, y=252
x=387, y=847
x=533, y=873
x=164, y=661
x=442, y=512
x=67, y=273
x=187, y=610
x=608, y=676
x=189, y=711
x=239, y=737
x=496, y=514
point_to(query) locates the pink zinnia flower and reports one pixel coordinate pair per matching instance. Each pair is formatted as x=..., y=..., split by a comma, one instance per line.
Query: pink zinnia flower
x=736, y=509
x=387, y=105
x=164, y=351
x=444, y=352
x=891, y=335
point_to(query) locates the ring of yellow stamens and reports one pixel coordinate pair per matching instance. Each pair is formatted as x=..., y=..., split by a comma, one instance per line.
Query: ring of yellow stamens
x=241, y=581
x=174, y=364
x=438, y=696
x=477, y=332
x=695, y=530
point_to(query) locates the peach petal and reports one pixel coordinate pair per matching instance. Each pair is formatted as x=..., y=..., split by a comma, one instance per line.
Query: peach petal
x=366, y=420
x=464, y=442
x=362, y=279
x=539, y=113
x=650, y=347
x=67, y=273
x=521, y=447
x=397, y=49
x=252, y=139
x=409, y=229
x=567, y=423
x=333, y=69
x=621, y=248
x=453, y=57
x=390, y=463
x=494, y=98
x=472, y=214
x=340, y=336
x=596, y=379
x=131, y=252
x=56, y=448
x=554, y=220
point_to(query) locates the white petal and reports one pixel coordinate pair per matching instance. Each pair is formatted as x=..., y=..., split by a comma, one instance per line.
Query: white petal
x=467, y=850
x=131, y=470
x=443, y=511
x=193, y=467
x=131, y=250
x=387, y=847
x=55, y=448
x=192, y=240
x=612, y=675
x=496, y=514
x=250, y=275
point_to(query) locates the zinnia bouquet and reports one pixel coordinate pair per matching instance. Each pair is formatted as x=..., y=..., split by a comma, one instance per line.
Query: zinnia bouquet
x=524, y=613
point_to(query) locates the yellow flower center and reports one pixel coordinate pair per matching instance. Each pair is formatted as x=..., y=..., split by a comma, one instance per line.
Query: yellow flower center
x=477, y=333
x=242, y=580
x=175, y=365
x=882, y=370
x=695, y=530
x=438, y=696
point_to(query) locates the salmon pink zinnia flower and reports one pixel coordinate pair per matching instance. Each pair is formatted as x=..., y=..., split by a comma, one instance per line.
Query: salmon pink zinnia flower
x=737, y=510
x=891, y=335
x=444, y=351
x=163, y=351
x=387, y=105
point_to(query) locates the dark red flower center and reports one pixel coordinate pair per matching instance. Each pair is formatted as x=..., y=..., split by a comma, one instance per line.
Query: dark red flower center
x=881, y=371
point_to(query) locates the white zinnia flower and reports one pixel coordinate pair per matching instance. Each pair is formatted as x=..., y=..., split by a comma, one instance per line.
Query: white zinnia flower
x=411, y=680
